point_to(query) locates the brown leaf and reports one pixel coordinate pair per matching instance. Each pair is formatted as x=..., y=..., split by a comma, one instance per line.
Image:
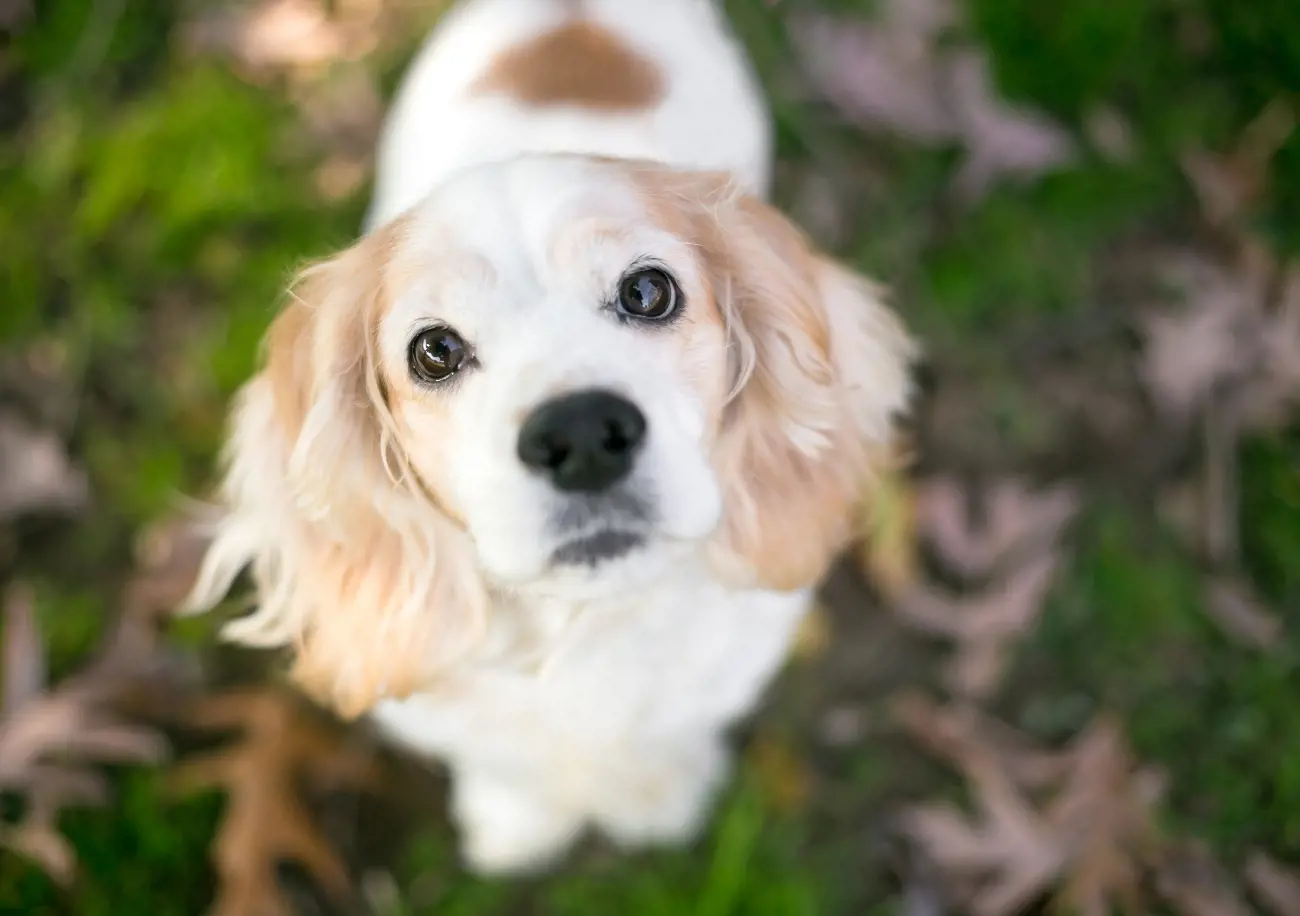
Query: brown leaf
x=881, y=75
x=265, y=820
x=1276, y=887
x=49, y=740
x=38, y=476
x=1193, y=883
x=1234, y=606
x=1105, y=804
x=1002, y=140
x=1014, y=517
x=1081, y=842
x=1230, y=186
x=983, y=626
x=1192, y=351
x=1237, y=335
x=894, y=73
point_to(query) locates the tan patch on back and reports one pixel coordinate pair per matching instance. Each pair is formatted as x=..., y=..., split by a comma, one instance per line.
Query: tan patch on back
x=577, y=64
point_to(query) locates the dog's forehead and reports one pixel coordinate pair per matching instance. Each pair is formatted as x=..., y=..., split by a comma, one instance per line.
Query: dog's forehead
x=519, y=208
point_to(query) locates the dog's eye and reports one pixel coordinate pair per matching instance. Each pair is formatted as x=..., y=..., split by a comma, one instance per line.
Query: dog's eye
x=648, y=293
x=437, y=354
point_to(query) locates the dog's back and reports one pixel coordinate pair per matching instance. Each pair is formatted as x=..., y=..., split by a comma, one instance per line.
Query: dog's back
x=662, y=80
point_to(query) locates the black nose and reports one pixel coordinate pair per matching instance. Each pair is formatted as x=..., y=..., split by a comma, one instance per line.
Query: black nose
x=583, y=442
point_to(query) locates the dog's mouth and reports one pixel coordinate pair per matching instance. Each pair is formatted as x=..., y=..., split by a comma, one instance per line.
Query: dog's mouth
x=594, y=549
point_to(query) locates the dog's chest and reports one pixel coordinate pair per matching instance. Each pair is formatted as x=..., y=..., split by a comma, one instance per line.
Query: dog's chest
x=674, y=660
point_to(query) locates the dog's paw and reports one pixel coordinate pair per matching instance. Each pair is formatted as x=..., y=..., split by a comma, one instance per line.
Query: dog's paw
x=668, y=800
x=507, y=832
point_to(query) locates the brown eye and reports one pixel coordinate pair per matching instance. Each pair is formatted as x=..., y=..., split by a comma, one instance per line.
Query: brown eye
x=437, y=354
x=648, y=293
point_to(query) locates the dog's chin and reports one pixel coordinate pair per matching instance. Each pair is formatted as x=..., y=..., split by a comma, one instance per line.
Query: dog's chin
x=602, y=564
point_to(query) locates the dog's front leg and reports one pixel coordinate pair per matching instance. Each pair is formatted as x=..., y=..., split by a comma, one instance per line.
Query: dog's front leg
x=505, y=828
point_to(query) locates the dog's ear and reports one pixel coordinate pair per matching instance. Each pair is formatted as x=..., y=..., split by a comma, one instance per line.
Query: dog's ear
x=821, y=369
x=353, y=564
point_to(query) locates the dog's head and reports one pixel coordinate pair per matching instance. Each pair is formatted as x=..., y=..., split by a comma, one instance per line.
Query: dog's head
x=556, y=375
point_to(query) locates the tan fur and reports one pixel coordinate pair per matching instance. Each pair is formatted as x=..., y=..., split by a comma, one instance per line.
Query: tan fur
x=348, y=555
x=807, y=429
x=576, y=64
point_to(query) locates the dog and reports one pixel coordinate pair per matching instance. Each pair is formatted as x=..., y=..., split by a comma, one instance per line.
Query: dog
x=541, y=474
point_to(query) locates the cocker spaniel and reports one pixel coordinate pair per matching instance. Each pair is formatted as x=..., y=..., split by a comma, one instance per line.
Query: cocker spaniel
x=542, y=472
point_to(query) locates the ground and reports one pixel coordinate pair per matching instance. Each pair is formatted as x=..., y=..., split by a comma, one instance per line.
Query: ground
x=154, y=198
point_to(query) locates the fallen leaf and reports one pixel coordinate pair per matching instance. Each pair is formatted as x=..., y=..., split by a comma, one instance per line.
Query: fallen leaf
x=1190, y=352
x=1237, y=333
x=1075, y=824
x=884, y=75
x=1002, y=140
x=1230, y=186
x=1276, y=887
x=895, y=73
x=50, y=738
x=1014, y=517
x=1191, y=881
x=265, y=820
x=38, y=476
x=1234, y=606
x=983, y=626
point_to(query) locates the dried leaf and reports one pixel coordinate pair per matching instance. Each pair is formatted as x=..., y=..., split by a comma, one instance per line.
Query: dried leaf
x=1002, y=140
x=1234, y=606
x=1190, y=880
x=265, y=820
x=1191, y=352
x=893, y=73
x=983, y=626
x=1276, y=887
x=1230, y=186
x=1081, y=842
x=1230, y=337
x=38, y=477
x=885, y=75
x=50, y=740
x=1014, y=517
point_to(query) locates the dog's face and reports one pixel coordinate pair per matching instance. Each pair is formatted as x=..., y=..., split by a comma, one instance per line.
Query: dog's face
x=555, y=362
x=557, y=375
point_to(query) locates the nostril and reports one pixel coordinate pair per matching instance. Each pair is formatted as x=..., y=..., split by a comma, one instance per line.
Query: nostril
x=615, y=439
x=557, y=452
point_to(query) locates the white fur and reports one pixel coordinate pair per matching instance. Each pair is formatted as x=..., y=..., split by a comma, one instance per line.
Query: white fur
x=712, y=117
x=580, y=697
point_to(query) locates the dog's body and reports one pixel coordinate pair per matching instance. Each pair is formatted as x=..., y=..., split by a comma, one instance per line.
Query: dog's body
x=591, y=642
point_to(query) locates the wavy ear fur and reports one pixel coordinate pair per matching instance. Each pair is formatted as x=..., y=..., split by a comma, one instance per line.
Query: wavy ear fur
x=353, y=564
x=821, y=369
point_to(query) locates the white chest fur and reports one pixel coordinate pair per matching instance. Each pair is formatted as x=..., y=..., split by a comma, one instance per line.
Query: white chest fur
x=605, y=714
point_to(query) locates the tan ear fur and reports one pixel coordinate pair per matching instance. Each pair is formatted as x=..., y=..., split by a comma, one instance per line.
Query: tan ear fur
x=822, y=369
x=353, y=564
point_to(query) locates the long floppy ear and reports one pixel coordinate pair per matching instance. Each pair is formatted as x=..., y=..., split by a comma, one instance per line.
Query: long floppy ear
x=353, y=565
x=821, y=369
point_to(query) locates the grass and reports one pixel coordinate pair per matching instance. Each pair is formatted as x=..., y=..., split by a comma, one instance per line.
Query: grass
x=151, y=211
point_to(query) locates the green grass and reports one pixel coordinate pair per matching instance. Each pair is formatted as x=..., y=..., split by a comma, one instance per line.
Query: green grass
x=151, y=212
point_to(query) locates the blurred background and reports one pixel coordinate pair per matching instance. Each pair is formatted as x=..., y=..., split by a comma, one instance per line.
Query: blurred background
x=1059, y=673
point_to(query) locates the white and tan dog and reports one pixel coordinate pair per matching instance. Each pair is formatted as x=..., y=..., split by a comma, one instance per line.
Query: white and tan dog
x=543, y=471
